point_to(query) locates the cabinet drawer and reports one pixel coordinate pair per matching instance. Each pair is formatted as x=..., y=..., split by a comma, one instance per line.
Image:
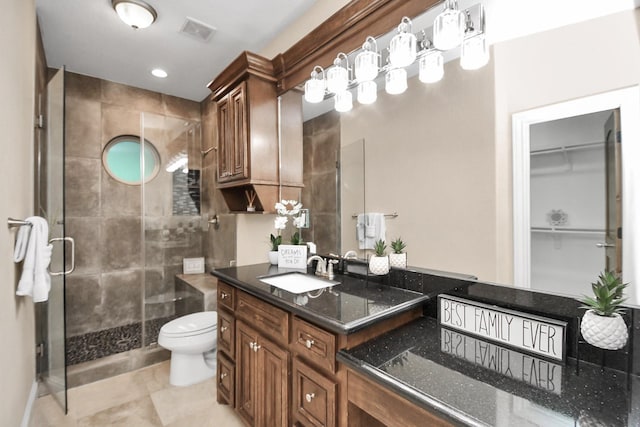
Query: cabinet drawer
x=263, y=317
x=314, y=344
x=226, y=380
x=314, y=397
x=226, y=296
x=226, y=333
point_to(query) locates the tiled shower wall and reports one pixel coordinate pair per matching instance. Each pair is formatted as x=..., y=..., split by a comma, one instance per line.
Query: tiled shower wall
x=320, y=151
x=104, y=216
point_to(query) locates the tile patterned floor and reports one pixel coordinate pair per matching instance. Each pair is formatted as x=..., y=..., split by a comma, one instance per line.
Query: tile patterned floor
x=142, y=398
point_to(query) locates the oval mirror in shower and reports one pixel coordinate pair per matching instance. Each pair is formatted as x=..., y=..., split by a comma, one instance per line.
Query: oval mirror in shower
x=122, y=160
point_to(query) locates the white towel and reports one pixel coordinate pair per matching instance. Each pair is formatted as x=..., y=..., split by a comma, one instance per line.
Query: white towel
x=370, y=227
x=35, y=280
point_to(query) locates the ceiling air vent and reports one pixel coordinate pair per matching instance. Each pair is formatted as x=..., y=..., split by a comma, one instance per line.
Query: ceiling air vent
x=198, y=30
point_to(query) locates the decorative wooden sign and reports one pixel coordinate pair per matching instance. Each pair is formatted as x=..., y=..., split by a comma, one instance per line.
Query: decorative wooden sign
x=292, y=256
x=533, y=334
x=537, y=372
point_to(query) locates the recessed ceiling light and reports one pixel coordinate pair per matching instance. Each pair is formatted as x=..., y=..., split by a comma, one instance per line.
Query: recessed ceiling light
x=159, y=72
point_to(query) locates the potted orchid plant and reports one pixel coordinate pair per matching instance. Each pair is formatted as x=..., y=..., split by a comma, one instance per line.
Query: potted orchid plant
x=286, y=209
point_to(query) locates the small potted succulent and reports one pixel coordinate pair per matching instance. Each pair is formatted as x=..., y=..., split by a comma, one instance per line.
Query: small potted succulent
x=398, y=258
x=602, y=326
x=296, y=239
x=379, y=261
x=276, y=241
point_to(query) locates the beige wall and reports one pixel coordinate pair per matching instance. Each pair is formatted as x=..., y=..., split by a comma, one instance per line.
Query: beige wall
x=429, y=156
x=17, y=76
x=557, y=65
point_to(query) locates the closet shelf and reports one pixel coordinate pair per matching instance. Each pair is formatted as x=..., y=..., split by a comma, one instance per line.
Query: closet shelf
x=169, y=297
x=567, y=230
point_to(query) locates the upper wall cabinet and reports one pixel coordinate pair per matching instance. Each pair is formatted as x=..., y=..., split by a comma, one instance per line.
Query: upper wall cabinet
x=247, y=131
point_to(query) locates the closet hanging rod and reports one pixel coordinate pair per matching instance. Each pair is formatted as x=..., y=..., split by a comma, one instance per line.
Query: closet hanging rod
x=12, y=223
x=391, y=215
x=567, y=148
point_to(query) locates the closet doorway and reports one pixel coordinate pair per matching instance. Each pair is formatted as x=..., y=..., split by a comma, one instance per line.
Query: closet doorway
x=574, y=178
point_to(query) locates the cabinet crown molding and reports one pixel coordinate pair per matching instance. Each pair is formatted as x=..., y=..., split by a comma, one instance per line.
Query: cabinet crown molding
x=246, y=64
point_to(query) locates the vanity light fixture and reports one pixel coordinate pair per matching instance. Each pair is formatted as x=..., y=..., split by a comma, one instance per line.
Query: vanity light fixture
x=451, y=29
x=135, y=13
x=449, y=26
x=315, y=86
x=338, y=76
x=402, y=48
x=474, y=53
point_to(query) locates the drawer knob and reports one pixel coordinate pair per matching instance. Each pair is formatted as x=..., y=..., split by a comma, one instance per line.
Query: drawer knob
x=223, y=295
x=309, y=397
x=309, y=343
x=223, y=329
x=223, y=376
x=254, y=346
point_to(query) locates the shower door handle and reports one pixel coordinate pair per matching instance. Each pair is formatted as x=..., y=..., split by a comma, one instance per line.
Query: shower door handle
x=605, y=245
x=73, y=255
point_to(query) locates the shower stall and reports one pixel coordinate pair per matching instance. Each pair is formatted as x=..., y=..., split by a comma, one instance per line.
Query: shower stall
x=132, y=204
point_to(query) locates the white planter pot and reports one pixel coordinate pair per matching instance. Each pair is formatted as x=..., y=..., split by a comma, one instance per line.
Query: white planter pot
x=398, y=260
x=273, y=257
x=609, y=333
x=379, y=265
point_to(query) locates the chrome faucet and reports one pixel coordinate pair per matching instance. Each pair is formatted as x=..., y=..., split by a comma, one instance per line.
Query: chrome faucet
x=324, y=268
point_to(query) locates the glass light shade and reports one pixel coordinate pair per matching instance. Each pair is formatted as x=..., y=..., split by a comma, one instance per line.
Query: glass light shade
x=314, y=90
x=337, y=79
x=343, y=101
x=448, y=28
x=431, y=67
x=474, y=53
x=396, y=81
x=367, y=92
x=135, y=13
x=366, y=66
x=402, y=50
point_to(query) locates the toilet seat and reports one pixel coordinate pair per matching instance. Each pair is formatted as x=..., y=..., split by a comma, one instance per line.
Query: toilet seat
x=191, y=324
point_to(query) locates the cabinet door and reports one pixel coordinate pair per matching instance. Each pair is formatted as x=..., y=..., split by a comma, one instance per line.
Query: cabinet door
x=273, y=387
x=224, y=139
x=246, y=368
x=314, y=397
x=239, y=144
x=226, y=333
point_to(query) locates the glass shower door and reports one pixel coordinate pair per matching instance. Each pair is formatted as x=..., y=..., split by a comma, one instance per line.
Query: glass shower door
x=50, y=315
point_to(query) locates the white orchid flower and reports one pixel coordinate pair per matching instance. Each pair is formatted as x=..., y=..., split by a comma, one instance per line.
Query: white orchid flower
x=298, y=222
x=280, y=222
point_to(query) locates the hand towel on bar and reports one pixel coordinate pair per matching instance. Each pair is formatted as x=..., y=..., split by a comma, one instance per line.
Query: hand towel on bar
x=370, y=227
x=35, y=280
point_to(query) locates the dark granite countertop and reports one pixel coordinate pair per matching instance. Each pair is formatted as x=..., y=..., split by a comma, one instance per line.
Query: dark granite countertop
x=345, y=308
x=483, y=384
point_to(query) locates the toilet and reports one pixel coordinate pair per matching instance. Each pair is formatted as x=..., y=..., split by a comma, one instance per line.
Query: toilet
x=192, y=341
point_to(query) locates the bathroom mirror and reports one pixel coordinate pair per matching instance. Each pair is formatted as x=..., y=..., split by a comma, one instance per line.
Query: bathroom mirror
x=440, y=155
x=123, y=161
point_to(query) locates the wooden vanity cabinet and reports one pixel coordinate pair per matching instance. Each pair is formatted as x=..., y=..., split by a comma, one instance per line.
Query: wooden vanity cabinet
x=233, y=162
x=284, y=367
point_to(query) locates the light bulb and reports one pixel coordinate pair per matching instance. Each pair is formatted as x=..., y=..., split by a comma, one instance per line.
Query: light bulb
x=314, y=90
x=337, y=79
x=343, y=101
x=431, y=67
x=474, y=53
x=449, y=27
x=395, y=81
x=367, y=92
x=366, y=63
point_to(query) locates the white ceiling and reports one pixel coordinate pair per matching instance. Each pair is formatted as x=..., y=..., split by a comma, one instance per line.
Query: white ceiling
x=87, y=37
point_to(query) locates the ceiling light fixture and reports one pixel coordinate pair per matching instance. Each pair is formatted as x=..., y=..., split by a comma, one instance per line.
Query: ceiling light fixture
x=135, y=13
x=451, y=29
x=159, y=73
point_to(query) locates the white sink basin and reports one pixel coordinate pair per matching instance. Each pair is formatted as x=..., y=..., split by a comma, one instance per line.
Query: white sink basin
x=297, y=283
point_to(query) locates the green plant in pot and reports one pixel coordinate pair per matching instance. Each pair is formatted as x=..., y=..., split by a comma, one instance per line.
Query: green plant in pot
x=276, y=241
x=398, y=258
x=379, y=261
x=296, y=239
x=602, y=324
